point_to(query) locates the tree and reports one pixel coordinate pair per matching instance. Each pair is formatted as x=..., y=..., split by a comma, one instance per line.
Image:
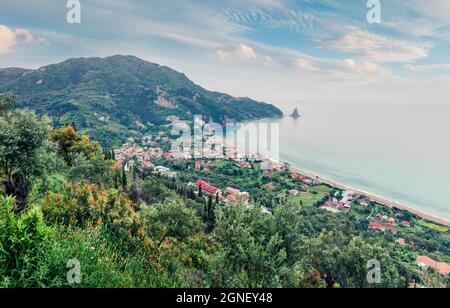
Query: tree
x=169, y=220
x=94, y=169
x=71, y=144
x=7, y=102
x=211, y=214
x=124, y=178
x=343, y=260
x=253, y=254
x=200, y=191
x=22, y=140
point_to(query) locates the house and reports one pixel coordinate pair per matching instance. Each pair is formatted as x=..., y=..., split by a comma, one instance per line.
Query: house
x=235, y=196
x=208, y=188
x=392, y=222
x=406, y=224
x=147, y=164
x=294, y=192
x=425, y=262
x=375, y=225
x=165, y=172
x=245, y=164
x=204, y=165
x=161, y=169
x=401, y=242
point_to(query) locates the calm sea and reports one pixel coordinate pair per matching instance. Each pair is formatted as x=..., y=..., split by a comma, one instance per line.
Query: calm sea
x=396, y=151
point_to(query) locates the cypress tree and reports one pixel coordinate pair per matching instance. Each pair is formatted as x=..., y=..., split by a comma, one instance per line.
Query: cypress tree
x=211, y=215
x=124, y=178
x=116, y=179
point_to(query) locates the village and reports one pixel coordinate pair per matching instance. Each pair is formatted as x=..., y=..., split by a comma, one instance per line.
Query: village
x=148, y=155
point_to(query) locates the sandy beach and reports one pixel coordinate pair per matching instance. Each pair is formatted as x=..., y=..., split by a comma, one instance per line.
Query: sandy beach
x=376, y=198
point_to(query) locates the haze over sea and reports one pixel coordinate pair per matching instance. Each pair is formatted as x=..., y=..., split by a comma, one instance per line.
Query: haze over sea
x=398, y=151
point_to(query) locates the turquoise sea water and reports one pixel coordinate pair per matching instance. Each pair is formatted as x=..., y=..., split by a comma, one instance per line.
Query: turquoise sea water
x=396, y=151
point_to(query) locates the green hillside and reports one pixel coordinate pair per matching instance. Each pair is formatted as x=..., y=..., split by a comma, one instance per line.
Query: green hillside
x=109, y=96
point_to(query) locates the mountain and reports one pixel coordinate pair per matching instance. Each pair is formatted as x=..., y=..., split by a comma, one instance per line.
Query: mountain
x=110, y=96
x=9, y=74
x=295, y=114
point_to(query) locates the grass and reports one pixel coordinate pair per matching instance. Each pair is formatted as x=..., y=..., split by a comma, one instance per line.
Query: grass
x=312, y=195
x=432, y=226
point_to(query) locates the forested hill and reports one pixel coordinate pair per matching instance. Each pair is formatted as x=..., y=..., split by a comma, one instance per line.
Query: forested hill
x=112, y=95
x=9, y=74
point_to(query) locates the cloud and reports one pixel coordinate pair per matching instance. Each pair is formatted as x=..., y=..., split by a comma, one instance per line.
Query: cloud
x=429, y=67
x=348, y=71
x=378, y=48
x=9, y=39
x=242, y=52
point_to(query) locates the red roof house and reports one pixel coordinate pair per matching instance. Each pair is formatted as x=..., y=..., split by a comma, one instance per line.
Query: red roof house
x=406, y=224
x=208, y=188
x=375, y=225
x=147, y=164
x=426, y=262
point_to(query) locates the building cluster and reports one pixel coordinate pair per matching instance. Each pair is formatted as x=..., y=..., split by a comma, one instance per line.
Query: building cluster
x=128, y=156
x=384, y=222
x=205, y=165
x=302, y=178
x=339, y=202
x=230, y=195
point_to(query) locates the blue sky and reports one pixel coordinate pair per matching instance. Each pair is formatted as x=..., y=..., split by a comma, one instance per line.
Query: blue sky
x=273, y=50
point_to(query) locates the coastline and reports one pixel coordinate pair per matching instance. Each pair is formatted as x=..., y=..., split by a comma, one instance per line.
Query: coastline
x=372, y=196
x=376, y=198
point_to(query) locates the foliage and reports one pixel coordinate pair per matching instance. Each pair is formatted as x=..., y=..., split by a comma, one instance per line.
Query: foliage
x=169, y=220
x=22, y=247
x=72, y=144
x=253, y=253
x=111, y=96
x=7, y=102
x=22, y=139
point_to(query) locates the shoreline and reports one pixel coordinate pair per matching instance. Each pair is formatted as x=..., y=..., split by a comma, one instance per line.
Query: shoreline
x=374, y=197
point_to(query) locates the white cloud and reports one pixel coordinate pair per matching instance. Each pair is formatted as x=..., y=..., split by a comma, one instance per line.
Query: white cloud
x=348, y=71
x=242, y=52
x=9, y=38
x=378, y=49
x=429, y=67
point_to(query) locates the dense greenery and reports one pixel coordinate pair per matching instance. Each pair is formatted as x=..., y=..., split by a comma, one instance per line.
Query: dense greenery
x=64, y=200
x=9, y=74
x=109, y=96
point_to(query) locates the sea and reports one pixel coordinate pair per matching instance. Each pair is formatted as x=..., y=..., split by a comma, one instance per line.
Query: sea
x=397, y=151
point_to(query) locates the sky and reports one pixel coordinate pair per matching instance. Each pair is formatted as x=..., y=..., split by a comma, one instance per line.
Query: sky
x=271, y=50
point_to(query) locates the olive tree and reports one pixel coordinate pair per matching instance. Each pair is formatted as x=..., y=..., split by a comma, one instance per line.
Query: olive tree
x=23, y=136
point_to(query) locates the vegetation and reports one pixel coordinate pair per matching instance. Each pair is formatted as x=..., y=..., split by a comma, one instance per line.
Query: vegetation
x=111, y=96
x=62, y=200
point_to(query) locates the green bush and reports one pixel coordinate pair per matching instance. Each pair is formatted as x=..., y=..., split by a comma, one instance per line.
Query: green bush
x=22, y=242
